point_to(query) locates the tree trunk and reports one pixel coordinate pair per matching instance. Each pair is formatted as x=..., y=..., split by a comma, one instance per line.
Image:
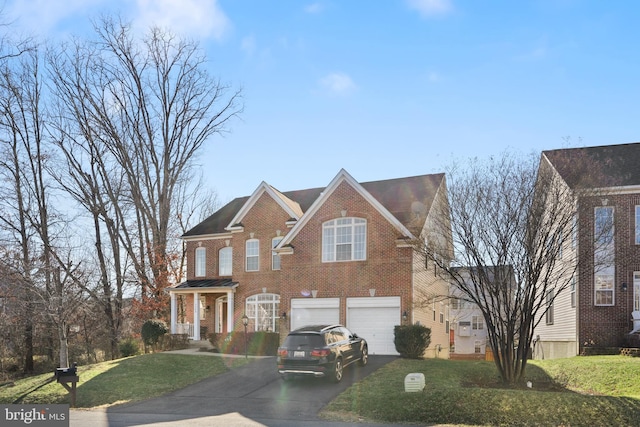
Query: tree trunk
x=64, y=346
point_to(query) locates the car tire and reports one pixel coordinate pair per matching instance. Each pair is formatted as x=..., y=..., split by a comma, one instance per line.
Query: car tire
x=364, y=358
x=338, y=371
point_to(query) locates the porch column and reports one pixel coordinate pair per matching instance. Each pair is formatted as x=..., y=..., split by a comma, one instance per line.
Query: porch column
x=174, y=312
x=196, y=316
x=230, y=303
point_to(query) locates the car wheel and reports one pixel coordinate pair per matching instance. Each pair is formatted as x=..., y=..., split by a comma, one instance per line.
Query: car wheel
x=337, y=371
x=364, y=358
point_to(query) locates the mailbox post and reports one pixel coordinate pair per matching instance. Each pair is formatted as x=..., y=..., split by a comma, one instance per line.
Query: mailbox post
x=68, y=378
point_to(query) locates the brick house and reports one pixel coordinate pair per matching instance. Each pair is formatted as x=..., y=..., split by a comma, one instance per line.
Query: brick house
x=337, y=254
x=598, y=308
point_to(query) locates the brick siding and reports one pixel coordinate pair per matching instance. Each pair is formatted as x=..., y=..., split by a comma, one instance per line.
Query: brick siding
x=607, y=326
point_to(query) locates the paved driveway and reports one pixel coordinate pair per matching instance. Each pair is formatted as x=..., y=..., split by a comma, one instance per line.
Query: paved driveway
x=252, y=395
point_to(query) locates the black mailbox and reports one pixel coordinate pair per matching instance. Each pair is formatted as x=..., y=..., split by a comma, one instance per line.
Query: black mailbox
x=66, y=376
x=66, y=372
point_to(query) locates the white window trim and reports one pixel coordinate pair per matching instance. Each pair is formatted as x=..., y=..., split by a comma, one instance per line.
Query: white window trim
x=253, y=310
x=636, y=291
x=477, y=323
x=201, y=262
x=330, y=241
x=229, y=263
x=275, y=258
x=549, y=315
x=637, y=224
x=611, y=290
x=247, y=256
x=604, y=258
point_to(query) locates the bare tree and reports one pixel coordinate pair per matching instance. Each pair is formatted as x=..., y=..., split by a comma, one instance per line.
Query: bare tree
x=193, y=203
x=147, y=107
x=28, y=215
x=512, y=222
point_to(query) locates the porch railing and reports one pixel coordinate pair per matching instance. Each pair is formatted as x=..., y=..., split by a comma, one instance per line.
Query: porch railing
x=185, y=328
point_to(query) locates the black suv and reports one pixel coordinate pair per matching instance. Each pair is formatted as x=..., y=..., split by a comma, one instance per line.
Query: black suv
x=321, y=351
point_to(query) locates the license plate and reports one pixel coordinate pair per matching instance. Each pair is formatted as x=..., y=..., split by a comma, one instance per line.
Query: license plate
x=298, y=354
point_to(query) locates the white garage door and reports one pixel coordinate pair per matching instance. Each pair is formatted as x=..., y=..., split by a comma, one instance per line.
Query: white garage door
x=374, y=319
x=314, y=311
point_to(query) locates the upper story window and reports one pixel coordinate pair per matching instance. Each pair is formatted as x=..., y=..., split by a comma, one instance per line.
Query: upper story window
x=603, y=227
x=253, y=255
x=344, y=239
x=201, y=262
x=477, y=323
x=637, y=225
x=604, y=256
x=275, y=258
x=225, y=261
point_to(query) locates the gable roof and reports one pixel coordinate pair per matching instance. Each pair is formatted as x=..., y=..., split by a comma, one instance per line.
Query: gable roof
x=401, y=200
x=288, y=205
x=605, y=165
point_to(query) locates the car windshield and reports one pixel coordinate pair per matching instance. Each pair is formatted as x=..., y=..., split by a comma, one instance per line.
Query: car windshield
x=303, y=340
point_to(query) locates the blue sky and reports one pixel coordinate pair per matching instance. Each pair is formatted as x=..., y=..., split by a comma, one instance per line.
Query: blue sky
x=391, y=88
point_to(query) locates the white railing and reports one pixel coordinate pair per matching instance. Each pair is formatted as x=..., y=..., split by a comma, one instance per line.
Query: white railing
x=185, y=328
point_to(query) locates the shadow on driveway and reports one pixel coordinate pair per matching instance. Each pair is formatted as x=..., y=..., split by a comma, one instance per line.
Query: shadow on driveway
x=251, y=395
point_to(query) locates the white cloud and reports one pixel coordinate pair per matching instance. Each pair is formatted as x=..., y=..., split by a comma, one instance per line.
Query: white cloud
x=338, y=83
x=429, y=8
x=41, y=17
x=433, y=77
x=194, y=18
x=314, y=8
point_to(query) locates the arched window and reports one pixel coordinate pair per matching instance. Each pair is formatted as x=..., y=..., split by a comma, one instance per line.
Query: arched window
x=201, y=262
x=263, y=311
x=225, y=261
x=344, y=239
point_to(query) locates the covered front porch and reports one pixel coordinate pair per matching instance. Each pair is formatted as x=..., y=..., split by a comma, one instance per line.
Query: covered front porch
x=200, y=307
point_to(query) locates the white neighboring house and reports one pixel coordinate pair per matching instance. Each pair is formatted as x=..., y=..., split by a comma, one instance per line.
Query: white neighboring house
x=468, y=326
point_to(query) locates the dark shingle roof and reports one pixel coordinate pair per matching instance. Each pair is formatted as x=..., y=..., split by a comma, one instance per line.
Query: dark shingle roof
x=207, y=283
x=402, y=197
x=602, y=166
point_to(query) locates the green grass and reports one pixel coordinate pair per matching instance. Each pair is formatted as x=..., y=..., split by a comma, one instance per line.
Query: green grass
x=581, y=391
x=120, y=381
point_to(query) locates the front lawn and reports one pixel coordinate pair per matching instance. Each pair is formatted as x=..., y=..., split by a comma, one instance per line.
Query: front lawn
x=120, y=381
x=580, y=391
